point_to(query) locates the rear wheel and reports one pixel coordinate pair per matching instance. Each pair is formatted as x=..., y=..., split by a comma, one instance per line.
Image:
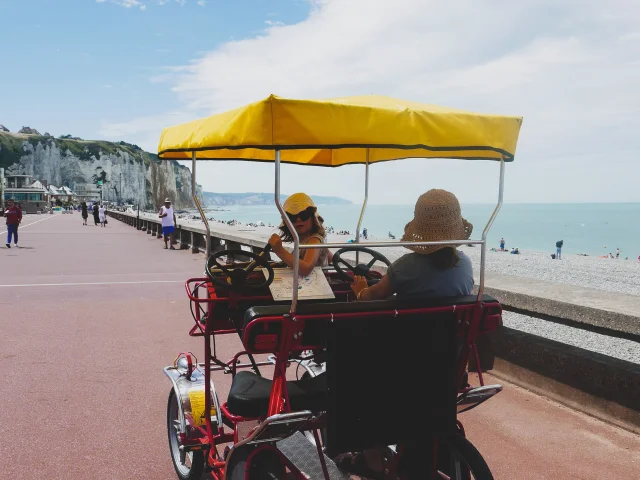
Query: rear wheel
x=265, y=465
x=458, y=459
x=188, y=465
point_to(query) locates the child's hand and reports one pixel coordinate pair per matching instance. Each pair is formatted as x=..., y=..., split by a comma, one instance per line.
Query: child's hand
x=276, y=244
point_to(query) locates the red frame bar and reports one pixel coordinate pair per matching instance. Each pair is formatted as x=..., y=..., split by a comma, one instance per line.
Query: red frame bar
x=473, y=320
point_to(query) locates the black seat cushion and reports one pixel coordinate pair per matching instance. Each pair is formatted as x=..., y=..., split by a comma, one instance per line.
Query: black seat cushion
x=249, y=394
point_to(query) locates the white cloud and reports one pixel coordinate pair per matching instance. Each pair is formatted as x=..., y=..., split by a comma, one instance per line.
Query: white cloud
x=123, y=3
x=202, y=3
x=143, y=5
x=572, y=69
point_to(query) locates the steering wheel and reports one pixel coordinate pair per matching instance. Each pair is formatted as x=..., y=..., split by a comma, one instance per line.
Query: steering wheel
x=236, y=278
x=362, y=269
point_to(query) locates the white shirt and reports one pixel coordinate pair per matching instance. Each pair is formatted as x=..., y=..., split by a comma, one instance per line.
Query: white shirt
x=168, y=220
x=101, y=212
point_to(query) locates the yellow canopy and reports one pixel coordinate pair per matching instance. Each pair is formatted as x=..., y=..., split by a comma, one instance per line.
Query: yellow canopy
x=339, y=131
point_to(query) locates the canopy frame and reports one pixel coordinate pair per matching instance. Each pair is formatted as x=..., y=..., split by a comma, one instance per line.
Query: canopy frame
x=296, y=239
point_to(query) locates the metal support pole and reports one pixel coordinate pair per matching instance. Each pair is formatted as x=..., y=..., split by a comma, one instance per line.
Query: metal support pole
x=483, y=251
x=364, y=204
x=197, y=202
x=294, y=234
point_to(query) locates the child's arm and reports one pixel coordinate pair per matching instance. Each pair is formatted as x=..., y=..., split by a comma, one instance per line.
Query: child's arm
x=306, y=264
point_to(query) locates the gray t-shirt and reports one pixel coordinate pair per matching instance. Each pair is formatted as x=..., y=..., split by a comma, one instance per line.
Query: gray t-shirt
x=413, y=275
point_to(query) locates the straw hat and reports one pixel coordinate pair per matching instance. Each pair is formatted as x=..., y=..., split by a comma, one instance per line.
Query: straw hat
x=297, y=203
x=167, y=200
x=436, y=217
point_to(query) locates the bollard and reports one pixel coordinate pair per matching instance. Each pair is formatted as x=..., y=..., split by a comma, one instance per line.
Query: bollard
x=184, y=243
x=194, y=243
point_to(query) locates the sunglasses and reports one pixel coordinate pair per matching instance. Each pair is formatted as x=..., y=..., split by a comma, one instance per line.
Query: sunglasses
x=303, y=215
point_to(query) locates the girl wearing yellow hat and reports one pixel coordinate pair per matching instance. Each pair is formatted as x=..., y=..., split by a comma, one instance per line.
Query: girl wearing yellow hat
x=303, y=213
x=432, y=270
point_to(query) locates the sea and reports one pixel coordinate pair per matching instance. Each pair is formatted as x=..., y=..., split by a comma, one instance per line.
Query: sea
x=593, y=229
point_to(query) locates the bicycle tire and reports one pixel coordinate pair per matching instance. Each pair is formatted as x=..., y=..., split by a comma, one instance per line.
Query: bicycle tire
x=265, y=465
x=470, y=463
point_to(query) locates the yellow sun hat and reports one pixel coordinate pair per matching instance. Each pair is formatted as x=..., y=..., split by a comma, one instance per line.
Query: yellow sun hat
x=298, y=202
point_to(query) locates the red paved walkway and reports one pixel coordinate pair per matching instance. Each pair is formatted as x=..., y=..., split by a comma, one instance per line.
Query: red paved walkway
x=88, y=318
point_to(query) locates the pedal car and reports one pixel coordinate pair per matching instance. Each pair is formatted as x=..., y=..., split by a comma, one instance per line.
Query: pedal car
x=384, y=380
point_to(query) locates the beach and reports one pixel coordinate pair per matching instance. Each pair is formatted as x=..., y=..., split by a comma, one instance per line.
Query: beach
x=612, y=275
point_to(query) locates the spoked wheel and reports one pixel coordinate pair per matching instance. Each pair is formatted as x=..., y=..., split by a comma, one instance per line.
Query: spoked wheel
x=265, y=465
x=458, y=459
x=188, y=465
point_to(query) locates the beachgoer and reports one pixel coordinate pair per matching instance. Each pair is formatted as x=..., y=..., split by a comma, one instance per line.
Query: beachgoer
x=559, y=245
x=617, y=253
x=432, y=270
x=85, y=213
x=102, y=215
x=13, y=217
x=303, y=213
x=96, y=214
x=502, y=244
x=168, y=222
x=364, y=233
x=391, y=235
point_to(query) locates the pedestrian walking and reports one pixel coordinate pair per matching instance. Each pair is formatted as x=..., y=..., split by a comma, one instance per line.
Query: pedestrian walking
x=559, y=245
x=365, y=233
x=96, y=214
x=102, y=216
x=13, y=217
x=168, y=222
x=617, y=253
x=502, y=244
x=85, y=213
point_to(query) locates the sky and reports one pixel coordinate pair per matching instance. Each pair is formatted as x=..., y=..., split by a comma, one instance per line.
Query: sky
x=124, y=69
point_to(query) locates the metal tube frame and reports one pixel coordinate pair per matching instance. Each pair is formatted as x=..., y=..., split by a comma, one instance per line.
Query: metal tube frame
x=296, y=239
x=197, y=202
x=483, y=251
x=364, y=203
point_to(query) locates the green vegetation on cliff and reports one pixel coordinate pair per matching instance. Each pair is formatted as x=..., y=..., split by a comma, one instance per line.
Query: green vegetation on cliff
x=11, y=148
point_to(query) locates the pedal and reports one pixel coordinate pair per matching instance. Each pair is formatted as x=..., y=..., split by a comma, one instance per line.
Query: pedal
x=304, y=455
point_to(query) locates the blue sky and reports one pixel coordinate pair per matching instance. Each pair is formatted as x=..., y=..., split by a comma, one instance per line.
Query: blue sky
x=123, y=69
x=78, y=64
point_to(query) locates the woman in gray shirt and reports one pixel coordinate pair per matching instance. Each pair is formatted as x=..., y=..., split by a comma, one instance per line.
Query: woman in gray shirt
x=432, y=270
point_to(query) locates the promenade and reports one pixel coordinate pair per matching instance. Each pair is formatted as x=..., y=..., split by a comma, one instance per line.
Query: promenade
x=90, y=315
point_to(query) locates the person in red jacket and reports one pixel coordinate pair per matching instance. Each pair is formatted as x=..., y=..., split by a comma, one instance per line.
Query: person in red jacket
x=13, y=216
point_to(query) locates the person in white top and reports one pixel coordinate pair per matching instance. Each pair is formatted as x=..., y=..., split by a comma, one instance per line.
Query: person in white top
x=168, y=222
x=102, y=216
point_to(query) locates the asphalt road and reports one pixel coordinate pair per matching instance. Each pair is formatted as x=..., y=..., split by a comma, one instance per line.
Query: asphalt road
x=89, y=316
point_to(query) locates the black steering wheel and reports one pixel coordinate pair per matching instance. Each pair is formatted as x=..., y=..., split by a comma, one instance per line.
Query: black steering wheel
x=226, y=276
x=362, y=269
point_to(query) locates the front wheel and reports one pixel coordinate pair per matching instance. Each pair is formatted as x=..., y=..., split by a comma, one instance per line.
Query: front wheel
x=188, y=465
x=265, y=465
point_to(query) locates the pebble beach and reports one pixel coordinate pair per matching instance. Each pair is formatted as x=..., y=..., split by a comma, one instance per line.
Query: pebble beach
x=612, y=275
